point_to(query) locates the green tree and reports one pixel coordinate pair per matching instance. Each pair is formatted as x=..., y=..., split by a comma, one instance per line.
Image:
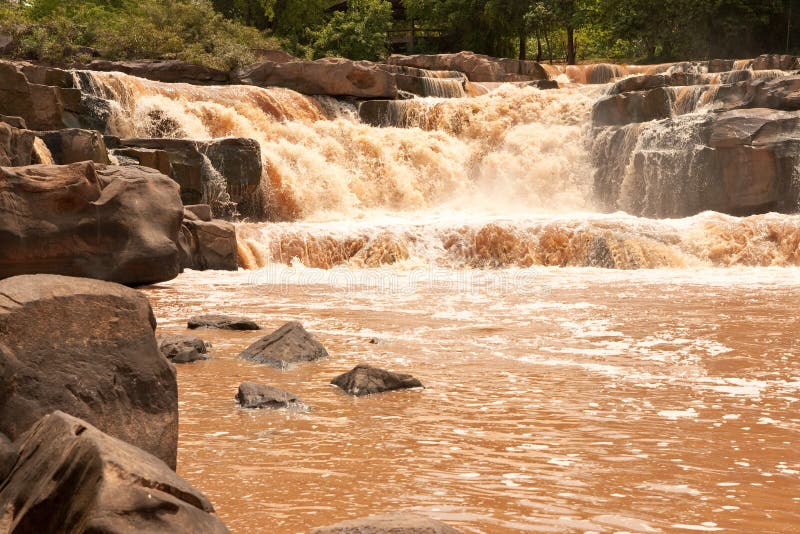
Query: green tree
x=357, y=33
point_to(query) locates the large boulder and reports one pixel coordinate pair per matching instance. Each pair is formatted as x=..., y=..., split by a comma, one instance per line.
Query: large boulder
x=638, y=106
x=252, y=395
x=367, y=380
x=16, y=146
x=776, y=61
x=87, y=348
x=329, y=76
x=197, y=165
x=285, y=347
x=73, y=145
x=477, y=67
x=111, y=223
x=170, y=71
x=71, y=477
x=208, y=245
x=392, y=523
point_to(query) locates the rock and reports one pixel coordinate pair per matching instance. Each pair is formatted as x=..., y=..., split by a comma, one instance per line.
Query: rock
x=367, y=380
x=42, y=107
x=627, y=108
x=328, y=76
x=289, y=345
x=201, y=211
x=777, y=93
x=477, y=67
x=8, y=456
x=237, y=160
x=111, y=223
x=720, y=65
x=421, y=82
x=74, y=145
x=222, y=322
x=16, y=122
x=44, y=75
x=252, y=395
x=776, y=61
x=16, y=146
x=170, y=71
x=208, y=245
x=392, y=523
x=183, y=349
x=544, y=84
x=87, y=348
x=71, y=477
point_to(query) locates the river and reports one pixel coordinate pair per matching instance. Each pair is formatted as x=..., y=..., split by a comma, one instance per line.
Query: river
x=584, y=372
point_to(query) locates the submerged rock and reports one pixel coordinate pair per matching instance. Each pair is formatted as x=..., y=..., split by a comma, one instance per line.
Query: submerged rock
x=367, y=380
x=87, y=348
x=71, y=477
x=252, y=395
x=392, y=523
x=289, y=345
x=112, y=223
x=183, y=349
x=222, y=322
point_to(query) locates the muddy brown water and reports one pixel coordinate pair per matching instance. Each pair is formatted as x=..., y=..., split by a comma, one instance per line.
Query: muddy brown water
x=557, y=400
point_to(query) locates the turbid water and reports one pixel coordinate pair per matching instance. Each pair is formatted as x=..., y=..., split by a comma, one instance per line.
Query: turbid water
x=585, y=372
x=557, y=400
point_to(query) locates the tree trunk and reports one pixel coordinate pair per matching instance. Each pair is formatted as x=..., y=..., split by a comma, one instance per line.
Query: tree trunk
x=549, y=48
x=538, y=47
x=523, y=46
x=570, y=45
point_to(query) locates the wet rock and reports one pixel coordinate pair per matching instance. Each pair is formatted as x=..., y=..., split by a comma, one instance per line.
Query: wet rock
x=720, y=65
x=201, y=211
x=289, y=345
x=392, y=523
x=776, y=61
x=208, y=245
x=627, y=108
x=170, y=71
x=778, y=93
x=73, y=145
x=222, y=322
x=71, y=477
x=367, y=380
x=8, y=456
x=183, y=349
x=328, y=76
x=544, y=84
x=252, y=395
x=477, y=67
x=87, y=348
x=112, y=223
x=193, y=164
x=375, y=341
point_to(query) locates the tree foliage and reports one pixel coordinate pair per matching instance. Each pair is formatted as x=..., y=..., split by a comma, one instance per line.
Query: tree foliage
x=357, y=33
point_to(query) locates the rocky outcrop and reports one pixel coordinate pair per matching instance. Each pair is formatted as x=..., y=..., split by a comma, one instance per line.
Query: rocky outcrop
x=329, y=76
x=87, y=348
x=222, y=322
x=198, y=166
x=111, y=223
x=16, y=146
x=183, y=349
x=639, y=106
x=71, y=477
x=252, y=395
x=477, y=67
x=367, y=380
x=49, y=105
x=287, y=346
x=207, y=244
x=170, y=71
x=392, y=523
x=776, y=61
